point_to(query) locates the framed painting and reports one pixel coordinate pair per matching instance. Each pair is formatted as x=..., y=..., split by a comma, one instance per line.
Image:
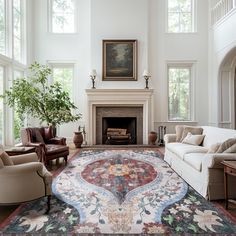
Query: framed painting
x=119, y=60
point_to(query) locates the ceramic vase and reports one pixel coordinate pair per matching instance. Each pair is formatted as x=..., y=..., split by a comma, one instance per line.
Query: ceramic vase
x=78, y=139
x=152, y=138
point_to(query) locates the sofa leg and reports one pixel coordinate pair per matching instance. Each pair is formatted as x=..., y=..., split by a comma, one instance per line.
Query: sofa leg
x=48, y=204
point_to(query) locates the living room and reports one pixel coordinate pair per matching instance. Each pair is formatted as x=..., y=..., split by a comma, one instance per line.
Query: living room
x=183, y=72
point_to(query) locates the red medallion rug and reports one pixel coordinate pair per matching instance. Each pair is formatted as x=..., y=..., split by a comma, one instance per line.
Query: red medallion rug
x=121, y=192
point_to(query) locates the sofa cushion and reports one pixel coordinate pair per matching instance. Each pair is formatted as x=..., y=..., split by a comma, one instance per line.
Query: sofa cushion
x=180, y=149
x=179, y=132
x=214, y=147
x=195, y=160
x=216, y=135
x=191, y=129
x=226, y=144
x=231, y=149
x=51, y=148
x=193, y=139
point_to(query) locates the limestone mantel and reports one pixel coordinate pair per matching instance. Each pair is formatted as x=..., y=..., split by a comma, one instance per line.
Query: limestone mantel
x=119, y=97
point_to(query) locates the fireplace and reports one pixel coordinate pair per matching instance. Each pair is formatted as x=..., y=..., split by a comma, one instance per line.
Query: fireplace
x=123, y=117
x=126, y=123
x=119, y=103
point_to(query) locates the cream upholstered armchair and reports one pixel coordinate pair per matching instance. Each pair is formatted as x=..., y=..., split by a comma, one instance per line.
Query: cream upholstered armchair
x=23, y=178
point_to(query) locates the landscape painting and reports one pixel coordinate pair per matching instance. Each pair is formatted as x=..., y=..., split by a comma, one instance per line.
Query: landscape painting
x=119, y=60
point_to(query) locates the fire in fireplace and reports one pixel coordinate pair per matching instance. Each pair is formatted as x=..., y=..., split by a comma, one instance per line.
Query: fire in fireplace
x=119, y=130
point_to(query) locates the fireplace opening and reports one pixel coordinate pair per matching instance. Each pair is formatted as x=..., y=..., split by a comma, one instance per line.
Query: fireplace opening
x=111, y=126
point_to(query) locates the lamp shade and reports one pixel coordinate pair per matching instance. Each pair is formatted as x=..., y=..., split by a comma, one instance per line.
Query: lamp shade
x=93, y=72
x=145, y=73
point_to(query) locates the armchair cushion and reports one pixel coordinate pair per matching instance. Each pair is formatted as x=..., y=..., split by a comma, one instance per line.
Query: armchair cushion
x=52, y=149
x=6, y=159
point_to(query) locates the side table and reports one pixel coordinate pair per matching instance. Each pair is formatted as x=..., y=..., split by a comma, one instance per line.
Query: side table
x=229, y=169
x=19, y=150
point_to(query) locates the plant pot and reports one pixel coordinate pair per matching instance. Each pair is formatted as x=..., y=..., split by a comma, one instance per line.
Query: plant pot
x=152, y=137
x=78, y=139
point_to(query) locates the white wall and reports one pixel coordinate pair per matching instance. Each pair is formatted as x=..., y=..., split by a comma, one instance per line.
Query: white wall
x=222, y=41
x=73, y=48
x=166, y=47
x=143, y=20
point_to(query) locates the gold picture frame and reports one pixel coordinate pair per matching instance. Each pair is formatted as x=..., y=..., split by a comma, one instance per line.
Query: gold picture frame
x=119, y=60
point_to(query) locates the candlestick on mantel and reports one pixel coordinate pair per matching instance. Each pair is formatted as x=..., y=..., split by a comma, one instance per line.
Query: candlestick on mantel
x=146, y=77
x=93, y=75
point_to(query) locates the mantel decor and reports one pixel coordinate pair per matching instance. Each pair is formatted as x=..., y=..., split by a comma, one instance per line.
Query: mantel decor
x=119, y=60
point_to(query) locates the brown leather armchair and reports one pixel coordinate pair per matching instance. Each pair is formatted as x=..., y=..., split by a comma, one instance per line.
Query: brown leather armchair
x=47, y=145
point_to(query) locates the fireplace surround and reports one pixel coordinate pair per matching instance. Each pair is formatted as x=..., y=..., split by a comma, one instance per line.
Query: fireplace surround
x=117, y=103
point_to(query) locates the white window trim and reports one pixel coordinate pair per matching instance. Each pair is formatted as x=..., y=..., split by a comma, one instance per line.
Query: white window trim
x=194, y=19
x=192, y=66
x=49, y=19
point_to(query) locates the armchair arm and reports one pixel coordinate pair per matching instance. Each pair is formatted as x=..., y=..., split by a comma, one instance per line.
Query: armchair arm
x=170, y=138
x=20, y=159
x=214, y=160
x=57, y=140
x=21, y=169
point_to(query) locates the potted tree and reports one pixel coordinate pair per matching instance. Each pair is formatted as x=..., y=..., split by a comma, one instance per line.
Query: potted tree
x=33, y=96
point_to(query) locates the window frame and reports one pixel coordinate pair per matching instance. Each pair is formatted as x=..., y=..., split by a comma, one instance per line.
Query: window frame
x=10, y=64
x=50, y=18
x=191, y=65
x=68, y=64
x=194, y=19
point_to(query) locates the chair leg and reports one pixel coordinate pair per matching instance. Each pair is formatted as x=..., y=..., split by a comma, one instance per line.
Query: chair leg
x=48, y=204
x=65, y=158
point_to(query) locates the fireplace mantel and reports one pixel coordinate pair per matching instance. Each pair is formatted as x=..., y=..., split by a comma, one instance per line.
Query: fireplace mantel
x=122, y=98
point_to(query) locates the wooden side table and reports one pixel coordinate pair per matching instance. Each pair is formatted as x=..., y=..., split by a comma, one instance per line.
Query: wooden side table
x=19, y=150
x=229, y=169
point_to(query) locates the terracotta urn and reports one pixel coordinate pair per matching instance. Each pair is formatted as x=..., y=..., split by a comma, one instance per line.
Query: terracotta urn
x=78, y=139
x=152, y=137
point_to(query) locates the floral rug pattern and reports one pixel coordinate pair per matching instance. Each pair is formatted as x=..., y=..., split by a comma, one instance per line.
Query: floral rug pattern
x=122, y=192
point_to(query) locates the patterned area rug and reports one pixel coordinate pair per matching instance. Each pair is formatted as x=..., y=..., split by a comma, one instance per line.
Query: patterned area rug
x=122, y=192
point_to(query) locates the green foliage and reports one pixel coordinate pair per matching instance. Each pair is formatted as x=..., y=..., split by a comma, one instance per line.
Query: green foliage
x=33, y=96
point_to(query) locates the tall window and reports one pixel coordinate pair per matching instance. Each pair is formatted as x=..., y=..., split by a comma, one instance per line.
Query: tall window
x=12, y=46
x=17, y=30
x=18, y=121
x=2, y=27
x=62, y=16
x=1, y=104
x=179, y=93
x=64, y=74
x=180, y=16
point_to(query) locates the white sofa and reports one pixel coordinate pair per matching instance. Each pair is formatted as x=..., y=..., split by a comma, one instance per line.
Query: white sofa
x=202, y=170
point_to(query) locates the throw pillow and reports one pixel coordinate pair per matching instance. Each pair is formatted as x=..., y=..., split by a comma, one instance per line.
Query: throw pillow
x=214, y=147
x=179, y=132
x=6, y=160
x=231, y=149
x=191, y=129
x=193, y=139
x=226, y=144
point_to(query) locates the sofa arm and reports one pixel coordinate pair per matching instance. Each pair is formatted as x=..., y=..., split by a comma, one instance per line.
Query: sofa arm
x=214, y=160
x=20, y=159
x=170, y=138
